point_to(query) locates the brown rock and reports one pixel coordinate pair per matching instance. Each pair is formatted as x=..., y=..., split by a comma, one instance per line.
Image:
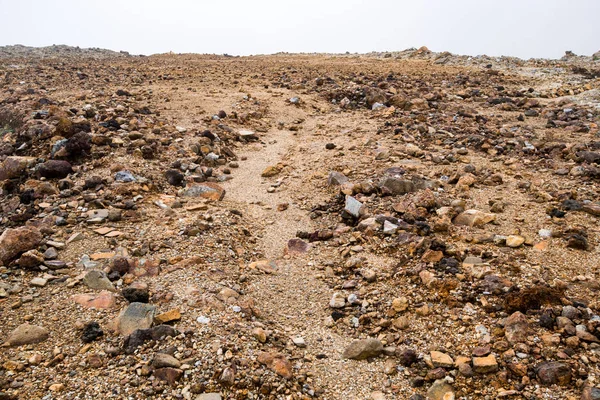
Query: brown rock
x=169, y=375
x=551, y=373
x=14, y=166
x=473, y=218
x=169, y=316
x=16, y=241
x=277, y=363
x=439, y=359
x=363, y=349
x=485, y=365
x=104, y=300
x=27, y=334
x=516, y=328
x=205, y=190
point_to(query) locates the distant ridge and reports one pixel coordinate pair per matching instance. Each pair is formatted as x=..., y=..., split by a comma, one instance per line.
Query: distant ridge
x=58, y=51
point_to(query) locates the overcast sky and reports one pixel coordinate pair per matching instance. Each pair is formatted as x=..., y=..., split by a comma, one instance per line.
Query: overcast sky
x=523, y=28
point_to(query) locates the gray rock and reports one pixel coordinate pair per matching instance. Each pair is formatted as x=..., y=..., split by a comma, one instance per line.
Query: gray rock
x=27, y=334
x=363, y=349
x=135, y=316
x=124, y=176
x=98, y=280
x=353, y=206
x=336, y=179
x=551, y=373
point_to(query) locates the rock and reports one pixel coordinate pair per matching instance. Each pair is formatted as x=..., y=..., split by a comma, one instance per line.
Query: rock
x=167, y=317
x=19, y=240
x=271, y=171
x=169, y=375
x=439, y=359
x=396, y=187
x=485, y=365
x=260, y=334
x=98, y=280
x=27, y=334
x=514, y=240
x=38, y=282
x=440, y=390
x=104, y=300
x=408, y=357
x=299, y=342
x=124, y=177
x=205, y=190
x=91, y=332
x=296, y=247
x=336, y=179
x=473, y=218
x=277, y=363
x=516, y=328
x=208, y=396
x=553, y=373
x=174, y=177
x=15, y=167
x=353, y=206
x=136, y=295
x=162, y=360
x=55, y=169
x=140, y=336
x=337, y=301
x=363, y=349
x=135, y=316
x=590, y=393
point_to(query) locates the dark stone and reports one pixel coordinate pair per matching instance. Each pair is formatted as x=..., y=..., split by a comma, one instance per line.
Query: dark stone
x=407, y=357
x=174, y=177
x=140, y=336
x=122, y=92
x=135, y=295
x=168, y=374
x=222, y=114
x=571, y=205
x=547, y=319
x=577, y=241
x=330, y=146
x=55, y=169
x=91, y=332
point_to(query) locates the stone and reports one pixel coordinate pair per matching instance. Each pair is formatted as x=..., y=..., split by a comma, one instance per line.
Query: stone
x=353, y=206
x=516, y=328
x=98, y=280
x=91, y=332
x=15, y=166
x=174, y=177
x=208, y=396
x=13, y=242
x=125, y=177
x=514, y=240
x=485, y=365
x=407, y=357
x=102, y=301
x=553, y=373
x=55, y=169
x=136, y=295
x=162, y=360
x=439, y=359
x=363, y=349
x=440, y=390
x=337, y=301
x=299, y=342
x=167, y=317
x=277, y=363
x=590, y=393
x=140, y=336
x=271, y=171
x=169, y=375
x=473, y=218
x=296, y=247
x=336, y=179
x=396, y=186
x=135, y=316
x=205, y=190
x=38, y=282
x=260, y=334
x=31, y=259
x=27, y=334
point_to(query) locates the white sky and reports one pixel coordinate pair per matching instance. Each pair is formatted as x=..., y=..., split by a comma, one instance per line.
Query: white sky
x=523, y=28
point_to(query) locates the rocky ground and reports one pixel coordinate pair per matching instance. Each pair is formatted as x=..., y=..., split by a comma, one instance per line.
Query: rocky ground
x=385, y=226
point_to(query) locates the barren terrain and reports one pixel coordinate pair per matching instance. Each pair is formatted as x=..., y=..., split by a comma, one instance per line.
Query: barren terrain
x=385, y=226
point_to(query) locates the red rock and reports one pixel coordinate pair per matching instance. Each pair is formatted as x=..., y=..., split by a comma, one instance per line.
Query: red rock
x=103, y=300
x=277, y=363
x=16, y=241
x=169, y=375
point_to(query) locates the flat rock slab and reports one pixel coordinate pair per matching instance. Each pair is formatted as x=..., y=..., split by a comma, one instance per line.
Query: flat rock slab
x=27, y=334
x=104, y=300
x=16, y=241
x=135, y=316
x=205, y=190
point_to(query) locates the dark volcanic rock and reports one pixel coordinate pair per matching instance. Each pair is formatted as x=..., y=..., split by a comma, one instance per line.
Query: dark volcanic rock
x=55, y=169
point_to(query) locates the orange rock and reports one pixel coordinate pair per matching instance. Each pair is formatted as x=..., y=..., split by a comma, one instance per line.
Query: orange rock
x=277, y=363
x=169, y=316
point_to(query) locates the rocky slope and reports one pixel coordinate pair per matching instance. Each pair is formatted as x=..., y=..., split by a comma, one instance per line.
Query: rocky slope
x=299, y=226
